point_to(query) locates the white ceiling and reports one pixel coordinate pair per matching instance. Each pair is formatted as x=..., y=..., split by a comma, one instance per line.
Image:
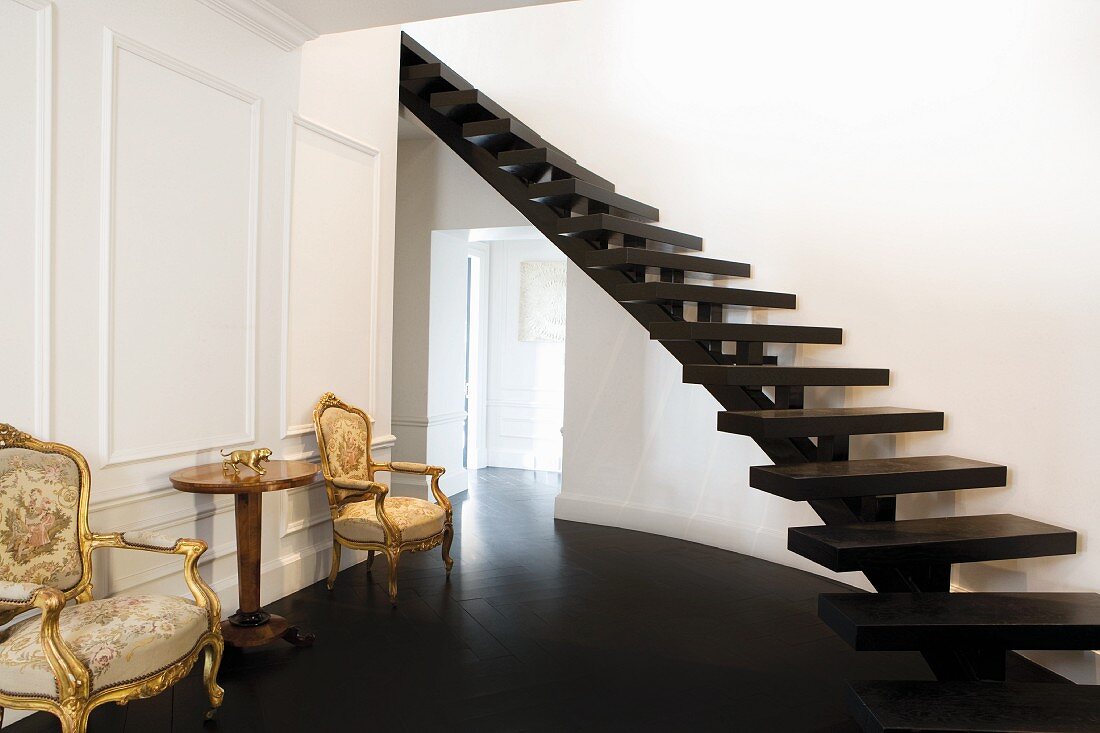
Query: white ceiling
x=337, y=16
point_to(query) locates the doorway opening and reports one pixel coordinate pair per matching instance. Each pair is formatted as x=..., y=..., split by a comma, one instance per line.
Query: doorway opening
x=502, y=292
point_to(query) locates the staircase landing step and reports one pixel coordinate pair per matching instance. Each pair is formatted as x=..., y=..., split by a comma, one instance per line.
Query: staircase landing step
x=782, y=376
x=532, y=165
x=844, y=547
x=875, y=477
x=678, y=293
x=974, y=707
x=816, y=422
x=750, y=332
x=916, y=621
x=602, y=227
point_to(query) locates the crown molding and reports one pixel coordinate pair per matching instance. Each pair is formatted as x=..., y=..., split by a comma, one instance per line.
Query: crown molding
x=265, y=20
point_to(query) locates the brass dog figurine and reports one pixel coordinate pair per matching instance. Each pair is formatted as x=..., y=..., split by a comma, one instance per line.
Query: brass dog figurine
x=251, y=458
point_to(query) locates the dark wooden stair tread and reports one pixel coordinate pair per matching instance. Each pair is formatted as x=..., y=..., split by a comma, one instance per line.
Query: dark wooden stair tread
x=636, y=259
x=783, y=376
x=565, y=193
x=542, y=163
x=486, y=132
x=467, y=105
x=875, y=477
x=916, y=621
x=816, y=422
x=844, y=547
x=974, y=707
x=426, y=79
x=664, y=292
x=601, y=227
x=751, y=332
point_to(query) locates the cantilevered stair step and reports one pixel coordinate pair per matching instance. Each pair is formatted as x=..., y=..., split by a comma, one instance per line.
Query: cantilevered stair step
x=974, y=707
x=844, y=547
x=875, y=477
x=664, y=293
x=782, y=376
x=750, y=332
x=930, y=621
x=637, y=260
x=532, y=165
x=503, y=134
x=467, y=105
x=572, y=194
x=603, y=228
x=816, y=422
x=425, y=79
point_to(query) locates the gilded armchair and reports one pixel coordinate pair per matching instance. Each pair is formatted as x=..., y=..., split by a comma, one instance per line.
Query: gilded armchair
x=362, y=516
x=69, y=659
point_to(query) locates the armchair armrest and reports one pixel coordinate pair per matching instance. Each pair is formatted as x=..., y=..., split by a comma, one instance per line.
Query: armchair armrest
x=73, y=678
x=191, y=549
x=14, y=596
x=422, y=469
x=145, y=540
x=409, y=467
x=351, y=490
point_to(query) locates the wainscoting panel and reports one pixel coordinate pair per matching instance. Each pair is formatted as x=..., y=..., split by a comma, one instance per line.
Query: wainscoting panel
x=333, y=205
x=26, y=93
x=180, y=188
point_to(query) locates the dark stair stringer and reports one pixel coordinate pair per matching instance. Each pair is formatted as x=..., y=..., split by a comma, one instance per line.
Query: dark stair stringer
x=612, y=240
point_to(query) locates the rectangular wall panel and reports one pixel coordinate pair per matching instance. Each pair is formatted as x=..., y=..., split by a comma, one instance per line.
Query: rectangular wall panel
x=330, y=266
x=25, y=144
x=179, y=273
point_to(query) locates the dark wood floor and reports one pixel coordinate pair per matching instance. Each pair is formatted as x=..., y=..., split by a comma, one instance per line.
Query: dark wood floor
x=545, y=626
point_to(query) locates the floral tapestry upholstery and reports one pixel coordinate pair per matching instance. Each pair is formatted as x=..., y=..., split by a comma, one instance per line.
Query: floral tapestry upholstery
x=118, y=639
x=39, y=532
x=347, y=442
x=417, y=519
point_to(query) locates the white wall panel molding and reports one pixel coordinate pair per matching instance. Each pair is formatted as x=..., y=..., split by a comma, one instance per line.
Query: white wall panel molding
x=159, y=522
x=265, y=20
x=290, y=414
x=43, y=84
x=117, y=47
x=430, y=421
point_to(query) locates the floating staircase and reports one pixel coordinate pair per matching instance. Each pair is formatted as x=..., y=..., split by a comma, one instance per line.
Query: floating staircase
x=967, y=639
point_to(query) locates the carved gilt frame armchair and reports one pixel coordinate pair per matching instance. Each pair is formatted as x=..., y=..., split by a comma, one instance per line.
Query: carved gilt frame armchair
x=69, y=659
x=362, y=517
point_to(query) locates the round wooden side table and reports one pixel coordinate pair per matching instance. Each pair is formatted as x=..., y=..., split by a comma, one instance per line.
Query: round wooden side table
x=250, y=625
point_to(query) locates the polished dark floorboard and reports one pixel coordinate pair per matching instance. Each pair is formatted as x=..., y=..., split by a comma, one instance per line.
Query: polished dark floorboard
x=545, y=626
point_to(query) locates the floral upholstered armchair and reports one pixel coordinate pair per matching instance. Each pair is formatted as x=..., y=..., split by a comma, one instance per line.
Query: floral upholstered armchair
x=362, y=517
x=68, y=659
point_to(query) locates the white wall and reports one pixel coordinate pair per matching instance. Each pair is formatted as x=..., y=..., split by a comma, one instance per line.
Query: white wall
x=925, y=180
x=149, y=317
x=437, y=194
x=526, y=380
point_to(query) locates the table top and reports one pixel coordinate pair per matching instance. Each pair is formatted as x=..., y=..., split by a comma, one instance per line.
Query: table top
x=210, y=479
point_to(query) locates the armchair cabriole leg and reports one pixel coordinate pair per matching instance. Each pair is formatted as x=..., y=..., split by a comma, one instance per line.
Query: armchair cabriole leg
x=393, y=557
x=448, y=536
x=211, y=663
x=370, y=559
x=334, y=571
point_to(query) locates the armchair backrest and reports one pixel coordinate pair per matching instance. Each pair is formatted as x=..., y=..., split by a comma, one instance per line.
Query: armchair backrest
x=343, y=439
x=43, y=512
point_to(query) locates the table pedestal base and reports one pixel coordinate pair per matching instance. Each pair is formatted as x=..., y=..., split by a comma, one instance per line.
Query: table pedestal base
x=276, y=627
